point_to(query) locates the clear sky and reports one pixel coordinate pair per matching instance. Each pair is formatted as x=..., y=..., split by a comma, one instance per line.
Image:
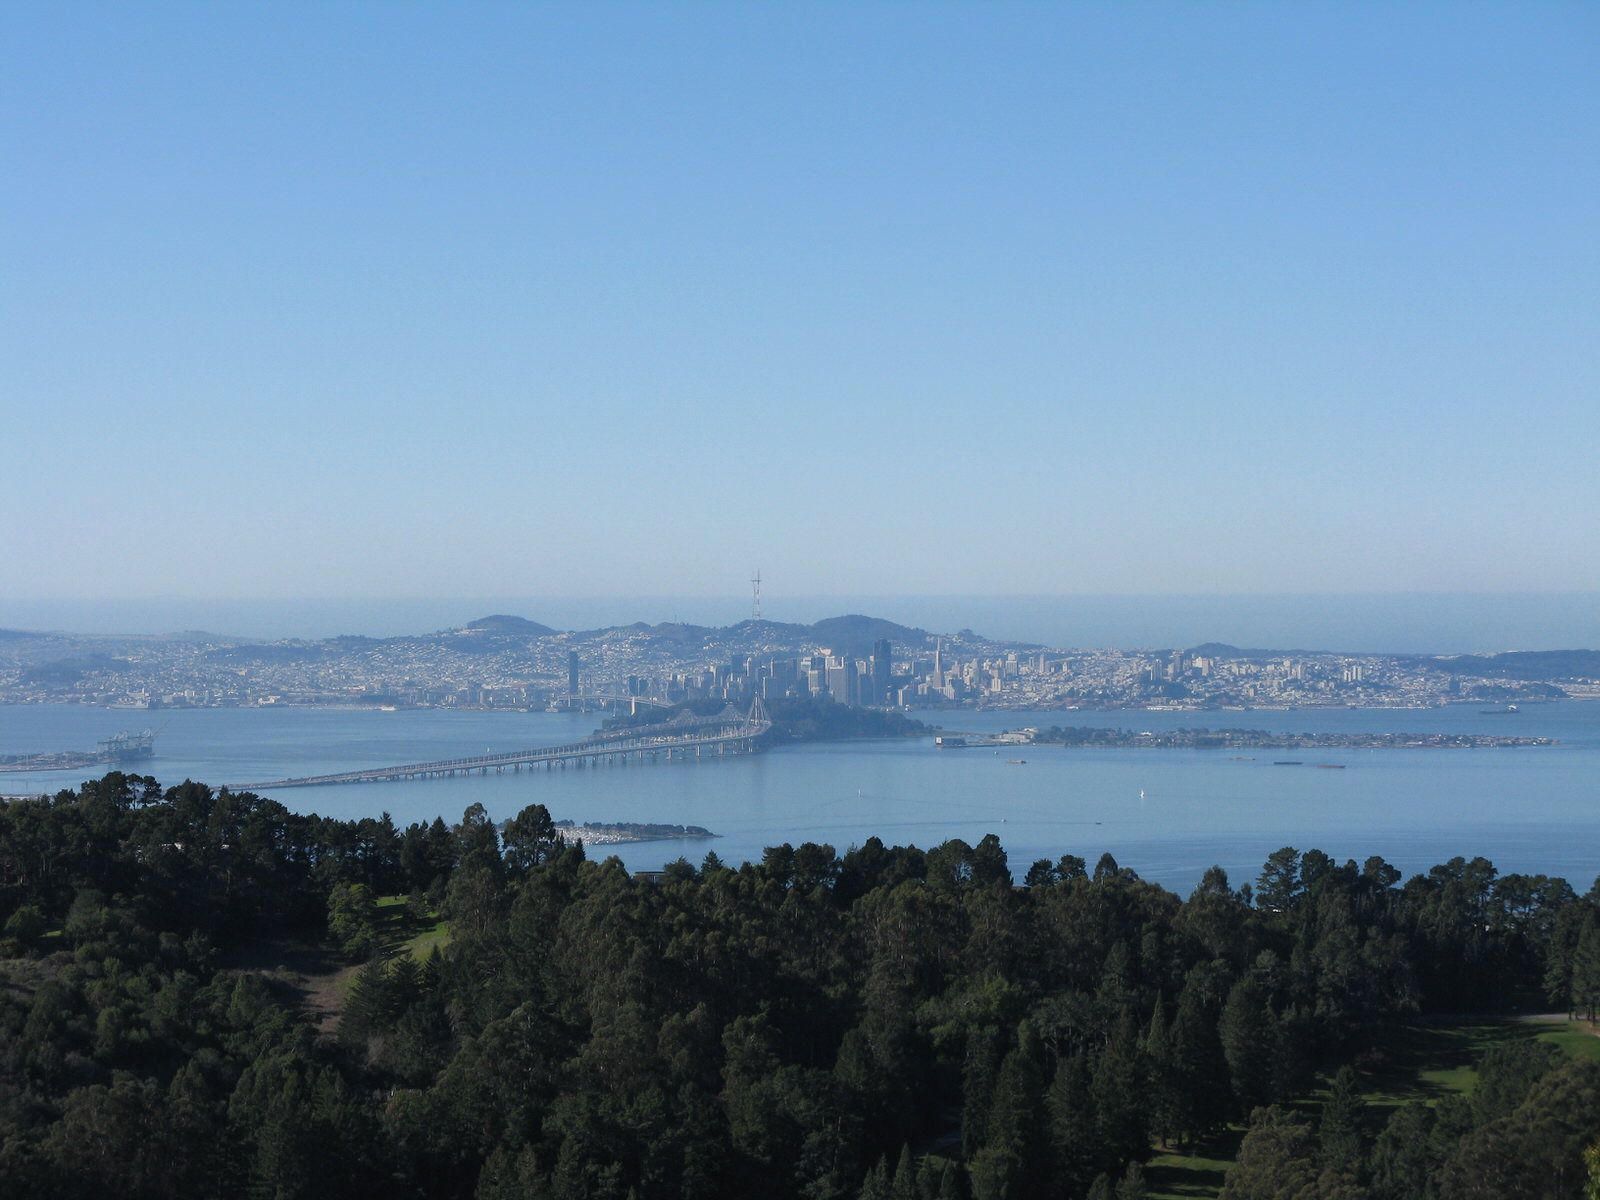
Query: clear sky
x=392, y=299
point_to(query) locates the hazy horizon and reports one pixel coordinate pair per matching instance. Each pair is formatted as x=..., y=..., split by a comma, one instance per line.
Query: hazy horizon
x=1424, y=623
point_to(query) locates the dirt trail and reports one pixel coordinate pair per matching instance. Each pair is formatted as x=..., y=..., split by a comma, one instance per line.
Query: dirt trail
x=314, y=976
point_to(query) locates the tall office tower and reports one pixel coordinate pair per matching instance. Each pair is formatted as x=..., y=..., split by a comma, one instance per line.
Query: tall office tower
x=880, y=671
x=572, y=672
x=842, y=680
x=938, y=662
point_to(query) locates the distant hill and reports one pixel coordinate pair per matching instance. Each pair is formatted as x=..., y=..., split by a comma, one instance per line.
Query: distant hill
x=847, y=634
x=501, y=623
x=1524, y=664
x=1223, y=650
x=70, y=670
x=856, y=632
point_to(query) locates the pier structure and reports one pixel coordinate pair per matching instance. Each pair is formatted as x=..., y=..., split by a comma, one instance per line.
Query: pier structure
x=685, y=736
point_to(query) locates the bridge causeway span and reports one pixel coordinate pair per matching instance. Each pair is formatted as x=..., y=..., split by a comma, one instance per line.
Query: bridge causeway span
x=686, y=736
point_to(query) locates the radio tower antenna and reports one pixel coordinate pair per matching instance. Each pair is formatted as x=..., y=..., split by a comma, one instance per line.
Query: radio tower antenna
x=755, y=595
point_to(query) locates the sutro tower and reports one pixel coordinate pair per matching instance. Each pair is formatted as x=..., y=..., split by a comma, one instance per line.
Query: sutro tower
x=755, y=595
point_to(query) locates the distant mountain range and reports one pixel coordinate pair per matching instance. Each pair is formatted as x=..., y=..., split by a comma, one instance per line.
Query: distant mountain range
x=852, y=633
x=1524, y=664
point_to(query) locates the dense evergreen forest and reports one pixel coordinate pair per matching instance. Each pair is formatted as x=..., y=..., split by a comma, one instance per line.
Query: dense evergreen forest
x=890, y=1024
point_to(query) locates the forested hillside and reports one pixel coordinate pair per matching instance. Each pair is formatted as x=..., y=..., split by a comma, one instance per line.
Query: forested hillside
x=892, y=1024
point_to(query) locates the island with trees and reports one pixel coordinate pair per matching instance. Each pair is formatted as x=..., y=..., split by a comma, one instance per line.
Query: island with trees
x=506, y=1015
x=1261, y=739
x=795, y=721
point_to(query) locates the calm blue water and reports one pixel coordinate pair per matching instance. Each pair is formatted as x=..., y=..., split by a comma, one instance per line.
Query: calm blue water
x=1535, y=810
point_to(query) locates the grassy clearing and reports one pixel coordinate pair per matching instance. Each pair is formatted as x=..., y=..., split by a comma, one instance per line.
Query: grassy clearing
x=1427, y=1060
x=1432, y=1059
x=404, y=932
x=305, y=974
x=1578, y=1038
x=434, y=936
x=401, y=932
x=1173, y=1175
x=316, y=976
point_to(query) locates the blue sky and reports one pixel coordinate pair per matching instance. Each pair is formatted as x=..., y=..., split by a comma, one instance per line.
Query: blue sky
x=421, y=300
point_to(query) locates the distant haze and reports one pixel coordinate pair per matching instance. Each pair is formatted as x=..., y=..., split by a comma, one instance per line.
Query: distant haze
x=1424, y=623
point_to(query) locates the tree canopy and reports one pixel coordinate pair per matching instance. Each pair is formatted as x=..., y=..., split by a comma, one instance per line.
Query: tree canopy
x=888, y=1022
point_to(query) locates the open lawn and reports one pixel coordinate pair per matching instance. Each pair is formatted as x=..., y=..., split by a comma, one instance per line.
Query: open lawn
x=402, y=931
x=1426, y=1060
x=1433, y=1058
x=305, y=974
x=1174, y=1175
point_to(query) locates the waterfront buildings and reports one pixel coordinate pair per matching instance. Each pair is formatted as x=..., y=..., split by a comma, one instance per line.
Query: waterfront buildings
x=848, y=661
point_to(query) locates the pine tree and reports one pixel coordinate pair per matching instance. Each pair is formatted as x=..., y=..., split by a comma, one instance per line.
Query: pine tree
x=904, y=1185
x=1278, y=886
x=405, y=982
x=1586, y=968
x=1559, y=951
x=1131, y=1186
x=1339, y=1130
x=367, y=1005
x=1013, y=1162
x=1074, y=1138
x=875, y=1184
x=1250, y=1044
x=1163, y=1104
x=1199, y=1068
x=1118, y=1094
x=1119, y=987
x=977, y=1084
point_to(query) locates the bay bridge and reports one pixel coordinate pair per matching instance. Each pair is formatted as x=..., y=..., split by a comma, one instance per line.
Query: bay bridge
x=585, y=702
x=685, y=736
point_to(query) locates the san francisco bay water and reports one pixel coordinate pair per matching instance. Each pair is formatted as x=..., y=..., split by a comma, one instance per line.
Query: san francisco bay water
x=1168, y=814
